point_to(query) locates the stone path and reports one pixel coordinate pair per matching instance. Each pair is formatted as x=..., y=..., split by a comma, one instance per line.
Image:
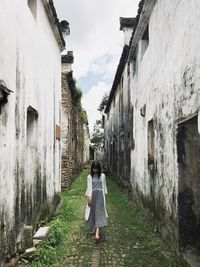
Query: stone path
x=128, y=241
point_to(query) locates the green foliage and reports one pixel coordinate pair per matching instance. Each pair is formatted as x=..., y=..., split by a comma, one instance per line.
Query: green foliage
x=131, y=236
x=97, y=138
x=77, y=102
x=97, y=135
x=55, y=237
x=47, y=251
x=55, y=245
x=136, y=228
x=83, y=115
x=77, y=96
x=103, y=103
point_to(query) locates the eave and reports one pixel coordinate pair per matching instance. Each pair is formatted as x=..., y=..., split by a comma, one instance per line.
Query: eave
x=143, y=21
x=54, y=21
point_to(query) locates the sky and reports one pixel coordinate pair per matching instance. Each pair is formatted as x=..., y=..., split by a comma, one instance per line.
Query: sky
x=97, y=45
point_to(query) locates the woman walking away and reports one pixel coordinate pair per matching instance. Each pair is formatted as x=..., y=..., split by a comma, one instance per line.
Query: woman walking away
x=96, y=213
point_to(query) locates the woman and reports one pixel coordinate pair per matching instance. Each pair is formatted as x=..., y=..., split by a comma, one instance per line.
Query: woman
x=96, y=213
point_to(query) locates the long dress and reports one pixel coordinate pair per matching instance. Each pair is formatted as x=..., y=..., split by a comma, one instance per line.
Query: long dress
x=97, y=217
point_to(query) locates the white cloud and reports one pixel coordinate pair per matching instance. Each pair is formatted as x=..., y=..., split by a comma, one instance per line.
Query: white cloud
x=94, y=37
x=92, y=100
x=94, y=29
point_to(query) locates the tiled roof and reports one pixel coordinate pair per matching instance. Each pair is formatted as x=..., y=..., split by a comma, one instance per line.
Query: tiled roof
x=127, y=22
x=68, y=58
x=118, y=75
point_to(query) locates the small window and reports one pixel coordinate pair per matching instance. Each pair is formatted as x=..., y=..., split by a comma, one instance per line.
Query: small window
x=32, y=119
x=146, y=34
x=151, y=142
x=128, y=70
x=33, y=7
x=103, y=121
x=145, y=41
x=135, y=63
x=122, y=82
x=4, y=93
x=58, y=132
x=133, y=66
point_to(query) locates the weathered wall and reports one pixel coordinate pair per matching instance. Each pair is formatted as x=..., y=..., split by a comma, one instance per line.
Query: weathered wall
x=167, y=82
x=164, y=81
x=75, y=134
x=29, y=154
x=119, y=129
x=67, y=169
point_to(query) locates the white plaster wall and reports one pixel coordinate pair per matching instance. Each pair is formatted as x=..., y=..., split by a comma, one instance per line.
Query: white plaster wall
x=168, y=83
x=127, y=35
x=165, y=78
x=30, y=65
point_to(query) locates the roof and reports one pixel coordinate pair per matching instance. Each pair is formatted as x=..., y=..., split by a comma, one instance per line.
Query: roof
x=68, y=58
x=118, y=75
x=127, y=22
x=144, y=10
x=53, y=18
x=142, y=19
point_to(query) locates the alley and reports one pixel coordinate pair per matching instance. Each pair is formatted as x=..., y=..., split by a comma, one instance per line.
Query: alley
x=130, y=239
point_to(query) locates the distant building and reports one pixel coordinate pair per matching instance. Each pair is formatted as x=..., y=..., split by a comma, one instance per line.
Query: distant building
x=92, y=153
x=152, y=126
x=30, y=95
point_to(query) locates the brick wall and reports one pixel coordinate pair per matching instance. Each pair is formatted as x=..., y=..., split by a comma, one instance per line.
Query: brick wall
x=72, y=133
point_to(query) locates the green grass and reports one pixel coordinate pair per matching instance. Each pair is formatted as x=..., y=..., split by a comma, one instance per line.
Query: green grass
x=144, y=247
x=130, y=233
x=65, y=223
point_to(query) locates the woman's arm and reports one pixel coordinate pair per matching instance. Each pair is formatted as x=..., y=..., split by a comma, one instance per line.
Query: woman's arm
x=87, y=189
x=105, y=185
x=89, y=201
x=88, y=193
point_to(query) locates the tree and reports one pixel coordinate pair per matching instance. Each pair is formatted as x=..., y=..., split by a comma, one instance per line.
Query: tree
x=103, y=103
x=97, y=135
x=77, y=96
x=97, y=138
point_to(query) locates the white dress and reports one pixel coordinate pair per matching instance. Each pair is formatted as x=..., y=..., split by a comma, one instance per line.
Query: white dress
x=89, y=194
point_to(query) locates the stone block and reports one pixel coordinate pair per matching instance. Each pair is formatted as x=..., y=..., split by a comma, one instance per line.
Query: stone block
x=36, y=242
x=27, y=236
x=42, y=233
x=13, y=262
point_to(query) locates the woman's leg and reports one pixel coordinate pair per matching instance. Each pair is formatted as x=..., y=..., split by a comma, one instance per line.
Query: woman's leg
x=97, y=232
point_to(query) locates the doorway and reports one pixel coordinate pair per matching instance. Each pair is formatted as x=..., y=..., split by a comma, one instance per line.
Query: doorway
x=188, y=152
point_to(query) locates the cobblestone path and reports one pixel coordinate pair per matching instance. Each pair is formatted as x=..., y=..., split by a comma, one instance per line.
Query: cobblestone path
x=128, y=241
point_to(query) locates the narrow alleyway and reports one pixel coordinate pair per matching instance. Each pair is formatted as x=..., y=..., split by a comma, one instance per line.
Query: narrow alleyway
x=129, y=240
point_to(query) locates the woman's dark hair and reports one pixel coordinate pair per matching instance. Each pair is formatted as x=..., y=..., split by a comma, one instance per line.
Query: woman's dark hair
x=96, y=165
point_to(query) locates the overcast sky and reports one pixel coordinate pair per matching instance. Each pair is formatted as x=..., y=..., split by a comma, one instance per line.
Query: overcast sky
x=97, y=44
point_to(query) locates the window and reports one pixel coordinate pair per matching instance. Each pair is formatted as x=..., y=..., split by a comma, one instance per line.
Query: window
x=151, y=143
x=146, y=34
x=4, y=93
x=103, y=121
x=122, y=82
x=33, y=7
x=58, y=132
x=134, y=66
x=145, y=41
x=128, y=70
x=32, y=119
